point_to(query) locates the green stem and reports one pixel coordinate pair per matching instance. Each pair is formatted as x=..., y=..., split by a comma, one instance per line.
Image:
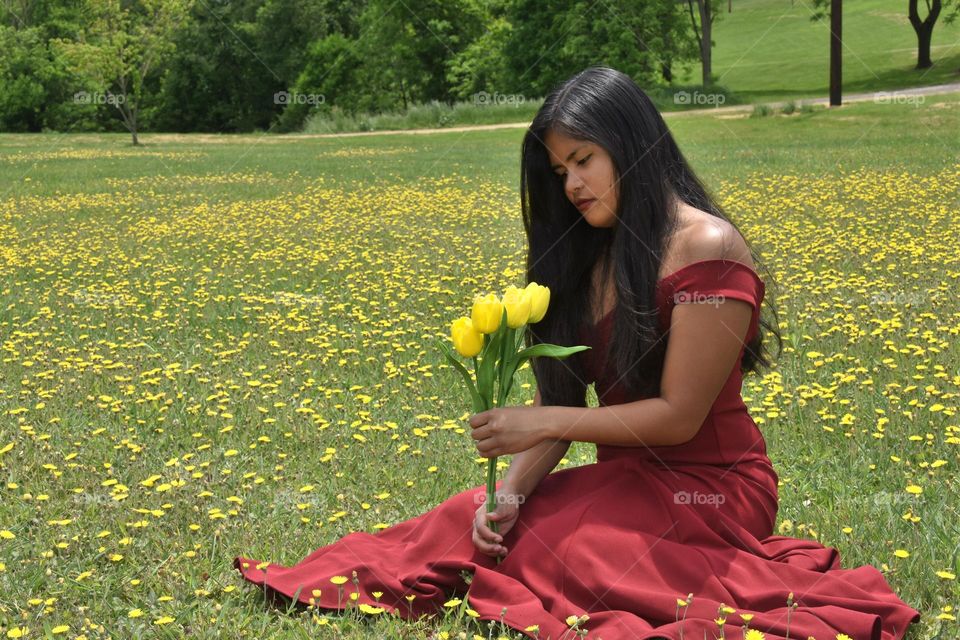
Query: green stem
x=491, y=492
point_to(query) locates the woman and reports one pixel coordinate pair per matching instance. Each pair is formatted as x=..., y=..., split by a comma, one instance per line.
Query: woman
x=643, y=267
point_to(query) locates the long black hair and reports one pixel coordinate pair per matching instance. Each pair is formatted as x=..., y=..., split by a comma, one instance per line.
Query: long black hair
x=607, y=108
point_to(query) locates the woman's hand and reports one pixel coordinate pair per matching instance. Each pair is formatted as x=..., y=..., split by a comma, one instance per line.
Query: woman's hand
x=505, y=515
x=503, y=430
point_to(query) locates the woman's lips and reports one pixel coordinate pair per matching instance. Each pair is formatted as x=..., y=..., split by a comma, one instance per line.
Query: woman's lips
x=586, y=204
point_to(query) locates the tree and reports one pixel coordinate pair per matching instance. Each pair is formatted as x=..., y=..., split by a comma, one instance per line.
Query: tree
x=702, y=25
x=124, y=42
x=35, y=85
x=924, y=28
x=550, y=39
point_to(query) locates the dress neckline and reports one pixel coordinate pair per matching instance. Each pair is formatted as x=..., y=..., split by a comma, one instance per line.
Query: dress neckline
x=669, y=276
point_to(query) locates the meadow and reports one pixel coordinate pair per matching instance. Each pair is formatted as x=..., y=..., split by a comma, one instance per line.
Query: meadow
x=207, y=340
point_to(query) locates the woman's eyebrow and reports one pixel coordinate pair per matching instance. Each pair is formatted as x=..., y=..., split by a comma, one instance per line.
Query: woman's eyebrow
x=572, y=153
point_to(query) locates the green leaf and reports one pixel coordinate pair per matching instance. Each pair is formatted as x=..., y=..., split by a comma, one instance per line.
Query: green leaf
x=474, y=394
x=507, y=364
x=487, y=371
x=549, y=351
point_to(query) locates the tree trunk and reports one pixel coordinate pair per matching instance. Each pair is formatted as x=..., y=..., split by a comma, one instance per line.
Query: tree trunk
x=705, y=46
x=666, y=72
x=924, y=31
x=666, y=63
x=836, y=52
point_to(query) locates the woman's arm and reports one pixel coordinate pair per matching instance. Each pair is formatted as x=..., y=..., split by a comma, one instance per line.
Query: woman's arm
x=529, y=467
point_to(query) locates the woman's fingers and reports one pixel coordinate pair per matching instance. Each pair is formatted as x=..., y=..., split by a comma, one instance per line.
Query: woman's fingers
x=486, y=547
x=485, y=538
x=487, y=533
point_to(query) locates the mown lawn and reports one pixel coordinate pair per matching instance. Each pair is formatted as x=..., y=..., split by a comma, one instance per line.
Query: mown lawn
x=767, y=51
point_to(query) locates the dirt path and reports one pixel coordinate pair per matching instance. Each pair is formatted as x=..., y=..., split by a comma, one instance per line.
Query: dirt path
x=851, y=97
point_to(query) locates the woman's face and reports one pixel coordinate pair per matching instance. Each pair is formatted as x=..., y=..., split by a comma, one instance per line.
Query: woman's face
x=586, y=173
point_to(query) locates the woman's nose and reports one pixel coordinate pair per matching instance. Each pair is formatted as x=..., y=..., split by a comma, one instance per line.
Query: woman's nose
x=574, y=184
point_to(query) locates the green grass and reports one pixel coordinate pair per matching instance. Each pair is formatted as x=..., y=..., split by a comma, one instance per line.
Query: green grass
x=143, y=290
x=768, y=51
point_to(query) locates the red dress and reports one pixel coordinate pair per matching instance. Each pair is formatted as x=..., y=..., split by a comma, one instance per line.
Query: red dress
x=622, y=539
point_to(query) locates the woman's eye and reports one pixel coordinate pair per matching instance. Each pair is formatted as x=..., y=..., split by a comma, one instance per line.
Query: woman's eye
x=585, y=158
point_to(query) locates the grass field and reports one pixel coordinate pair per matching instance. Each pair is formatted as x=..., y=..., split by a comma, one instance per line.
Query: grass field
x=768, y=50
x=207, y=340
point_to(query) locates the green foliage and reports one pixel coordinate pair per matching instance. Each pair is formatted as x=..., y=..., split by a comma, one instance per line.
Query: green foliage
x=482, y=65
x=330, y=65
x=22, y=67
x=552, y=38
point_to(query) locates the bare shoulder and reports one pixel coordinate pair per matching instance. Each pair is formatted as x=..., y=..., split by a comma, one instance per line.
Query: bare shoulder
x=703, y=236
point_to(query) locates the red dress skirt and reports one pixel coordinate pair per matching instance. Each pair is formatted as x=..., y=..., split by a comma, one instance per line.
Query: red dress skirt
x=622, y=539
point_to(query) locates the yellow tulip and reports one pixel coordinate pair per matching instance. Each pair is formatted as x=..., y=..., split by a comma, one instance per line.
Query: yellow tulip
x=539, y=301
x=467, y=340
x=486, y=313
x=517, y=303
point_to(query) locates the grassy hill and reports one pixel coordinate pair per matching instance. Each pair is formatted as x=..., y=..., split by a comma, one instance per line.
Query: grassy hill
x=768, y=50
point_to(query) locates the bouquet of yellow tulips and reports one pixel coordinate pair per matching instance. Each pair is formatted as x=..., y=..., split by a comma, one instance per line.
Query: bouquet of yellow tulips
x=494, y=333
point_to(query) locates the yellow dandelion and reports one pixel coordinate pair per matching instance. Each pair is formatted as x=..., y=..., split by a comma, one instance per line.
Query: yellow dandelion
x=753, y=634
x=902, y=553
x=366, y=608
x=453, y=602
x=338, y=580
